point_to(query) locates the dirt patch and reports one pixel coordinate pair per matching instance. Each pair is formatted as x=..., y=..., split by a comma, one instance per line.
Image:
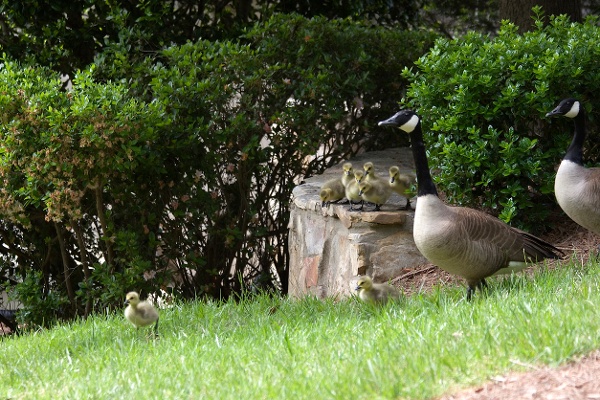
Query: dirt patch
x=576, y=380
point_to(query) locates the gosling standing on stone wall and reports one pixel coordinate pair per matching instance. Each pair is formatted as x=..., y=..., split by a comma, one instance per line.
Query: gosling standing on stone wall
x=400, y=183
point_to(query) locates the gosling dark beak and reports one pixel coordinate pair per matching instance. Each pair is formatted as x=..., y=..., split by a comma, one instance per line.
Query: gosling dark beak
x=391, y=121
x=357, y=288
x=126, y=302
x=392, y=179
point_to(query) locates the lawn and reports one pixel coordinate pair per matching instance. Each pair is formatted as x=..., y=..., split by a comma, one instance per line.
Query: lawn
x=271, y=348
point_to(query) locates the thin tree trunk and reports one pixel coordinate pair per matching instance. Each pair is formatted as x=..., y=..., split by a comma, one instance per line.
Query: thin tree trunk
x=104, y=227
x=84, y=263
x=519, y=12
x=66, y=272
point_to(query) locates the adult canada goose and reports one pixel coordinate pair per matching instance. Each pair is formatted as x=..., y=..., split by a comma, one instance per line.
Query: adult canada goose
x=370, y=292
x=353, y=192
x=460, y=240
x=375, y=191
x=577, y=188
x=348, y=174
x=400, y=183
x=333, y=190
x=140, y=313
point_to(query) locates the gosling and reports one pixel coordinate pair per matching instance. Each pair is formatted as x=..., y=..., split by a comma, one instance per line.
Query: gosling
x=376, y=192
x=352, y=191
x=348, y=174
x=332, y=191
x=140, y=313
x=370, y=175
x=400, y=183
x=375, y=293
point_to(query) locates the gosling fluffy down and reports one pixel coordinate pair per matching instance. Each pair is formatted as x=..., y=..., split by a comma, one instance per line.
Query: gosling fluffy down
x=353, y=192
x=333, y=190
x=376, y=192
x=379, y=293
x=140, y=313
x=400, y=183
x=347, y=174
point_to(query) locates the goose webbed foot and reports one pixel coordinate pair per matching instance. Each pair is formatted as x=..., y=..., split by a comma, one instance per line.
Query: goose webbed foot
x=356, y=209
x=481, y=285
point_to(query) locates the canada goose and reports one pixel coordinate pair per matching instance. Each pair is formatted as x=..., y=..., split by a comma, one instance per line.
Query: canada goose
x=400, y=183
x=577, y=188
x=380, y=293
x=333, y=190
x=140, y=313
x=460, y=240
x=352, y=191
x=348, y=174
x=376, y=192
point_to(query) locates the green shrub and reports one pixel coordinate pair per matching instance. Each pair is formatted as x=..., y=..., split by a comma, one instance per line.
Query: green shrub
x=180, y=176
x=483, y=102
x=72, y=166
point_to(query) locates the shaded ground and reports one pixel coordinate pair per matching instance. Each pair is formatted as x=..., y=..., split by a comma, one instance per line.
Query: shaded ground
x=577, y=380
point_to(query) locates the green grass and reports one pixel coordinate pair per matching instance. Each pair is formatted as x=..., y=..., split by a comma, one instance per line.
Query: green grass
x=267, y=348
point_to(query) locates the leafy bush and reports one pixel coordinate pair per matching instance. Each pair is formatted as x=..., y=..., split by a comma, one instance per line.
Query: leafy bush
x=483, y=102
x=180, y=176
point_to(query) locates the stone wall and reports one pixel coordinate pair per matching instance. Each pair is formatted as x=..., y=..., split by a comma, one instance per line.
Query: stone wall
x=330, y=246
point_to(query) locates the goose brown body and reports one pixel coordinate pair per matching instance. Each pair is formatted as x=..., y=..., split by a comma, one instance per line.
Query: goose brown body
x=463, y=241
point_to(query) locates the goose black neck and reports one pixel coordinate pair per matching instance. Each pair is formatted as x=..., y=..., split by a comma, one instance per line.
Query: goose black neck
x=575, y=150
x=425, y=184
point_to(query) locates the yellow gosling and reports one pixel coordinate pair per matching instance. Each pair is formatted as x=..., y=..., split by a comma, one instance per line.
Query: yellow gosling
x=352, y=191
x=333, y=190
x=348, y=174
x=378, y=293
x=400, y=183
x=140, y=313
x=376, y=192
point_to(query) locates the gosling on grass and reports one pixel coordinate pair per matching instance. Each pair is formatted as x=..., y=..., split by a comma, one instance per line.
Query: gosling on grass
x=400, y=183
x=376, y=293
x=140, y=313
x=332, y=191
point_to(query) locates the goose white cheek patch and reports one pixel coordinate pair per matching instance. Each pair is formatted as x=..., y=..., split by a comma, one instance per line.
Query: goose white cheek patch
x=573, y=111
x=410, y=125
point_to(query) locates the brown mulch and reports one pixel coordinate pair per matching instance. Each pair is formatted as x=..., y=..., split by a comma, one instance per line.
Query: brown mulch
x=579, y=379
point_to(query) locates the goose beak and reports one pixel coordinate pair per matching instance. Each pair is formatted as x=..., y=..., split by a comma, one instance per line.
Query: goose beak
x=357, y=288
x=390, y=121
x=126, y=302
x=554, y=112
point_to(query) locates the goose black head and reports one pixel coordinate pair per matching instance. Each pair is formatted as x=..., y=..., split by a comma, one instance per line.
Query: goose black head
x=406, y=120
x=567, y=107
